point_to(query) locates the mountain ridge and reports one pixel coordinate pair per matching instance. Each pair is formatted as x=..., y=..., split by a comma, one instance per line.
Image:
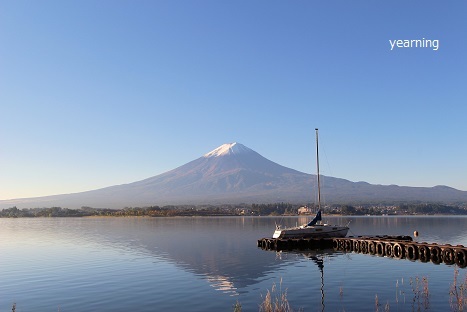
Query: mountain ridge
x=234, y=173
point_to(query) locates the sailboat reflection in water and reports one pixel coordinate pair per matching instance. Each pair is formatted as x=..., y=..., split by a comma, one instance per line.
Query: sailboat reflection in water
x=318, y=257
x=320, y=263
x=315, y=228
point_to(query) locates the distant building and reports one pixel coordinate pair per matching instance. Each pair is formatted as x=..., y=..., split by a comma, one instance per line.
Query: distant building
x=245, y=211
x=304, y=210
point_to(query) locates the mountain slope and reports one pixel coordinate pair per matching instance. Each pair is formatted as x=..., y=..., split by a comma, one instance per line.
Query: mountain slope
x=233, y=173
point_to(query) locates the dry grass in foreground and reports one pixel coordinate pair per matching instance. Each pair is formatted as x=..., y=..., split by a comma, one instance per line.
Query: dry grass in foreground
x=276, y=299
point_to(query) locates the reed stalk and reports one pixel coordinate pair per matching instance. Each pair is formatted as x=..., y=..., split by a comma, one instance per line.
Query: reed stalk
x=275, y=301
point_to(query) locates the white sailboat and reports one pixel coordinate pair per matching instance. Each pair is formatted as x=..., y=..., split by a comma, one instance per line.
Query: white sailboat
x=315, y=228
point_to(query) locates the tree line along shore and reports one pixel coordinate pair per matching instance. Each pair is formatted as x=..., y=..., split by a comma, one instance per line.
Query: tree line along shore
x=275, y=209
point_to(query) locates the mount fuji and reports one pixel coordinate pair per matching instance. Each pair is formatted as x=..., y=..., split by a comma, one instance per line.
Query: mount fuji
x=234, y=173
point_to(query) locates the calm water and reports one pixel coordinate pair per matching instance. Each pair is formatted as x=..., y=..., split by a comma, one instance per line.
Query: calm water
x=207, y=264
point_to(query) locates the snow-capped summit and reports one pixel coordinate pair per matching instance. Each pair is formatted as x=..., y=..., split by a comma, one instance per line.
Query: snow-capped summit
x=228, y=149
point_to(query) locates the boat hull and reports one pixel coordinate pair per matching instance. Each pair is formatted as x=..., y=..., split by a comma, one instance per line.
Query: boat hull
x=318, y=231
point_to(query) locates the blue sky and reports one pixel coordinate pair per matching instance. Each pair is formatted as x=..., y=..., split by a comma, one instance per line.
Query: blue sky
x=99, y=93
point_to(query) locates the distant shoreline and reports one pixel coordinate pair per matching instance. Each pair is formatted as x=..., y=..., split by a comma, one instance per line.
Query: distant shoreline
x=277, y=209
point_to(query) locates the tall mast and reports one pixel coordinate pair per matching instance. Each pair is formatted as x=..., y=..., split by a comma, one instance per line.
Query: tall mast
x=317, y=166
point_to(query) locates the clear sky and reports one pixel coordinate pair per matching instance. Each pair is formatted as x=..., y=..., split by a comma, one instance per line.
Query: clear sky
x=99, y=93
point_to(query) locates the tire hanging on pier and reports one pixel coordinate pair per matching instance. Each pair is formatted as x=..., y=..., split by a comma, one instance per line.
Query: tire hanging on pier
x=435, y=255
x=460, y=257
x=372, y=247
x=423, y=253
x=398, y=251
x=341, y=244
x=412, y=252
x=356, y=245
x=380, y=249
x=448, y=256
x=348, y=245
x=335, y=244
x=364, y=246
x=388, y=250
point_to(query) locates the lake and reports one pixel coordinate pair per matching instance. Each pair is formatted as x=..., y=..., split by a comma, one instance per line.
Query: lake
x=208, y=264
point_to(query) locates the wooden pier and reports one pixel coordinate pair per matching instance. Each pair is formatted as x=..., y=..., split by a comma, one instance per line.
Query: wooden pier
x=398, y=247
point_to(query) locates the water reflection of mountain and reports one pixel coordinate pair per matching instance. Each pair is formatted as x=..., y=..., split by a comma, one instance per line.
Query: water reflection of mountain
x=221, y=250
